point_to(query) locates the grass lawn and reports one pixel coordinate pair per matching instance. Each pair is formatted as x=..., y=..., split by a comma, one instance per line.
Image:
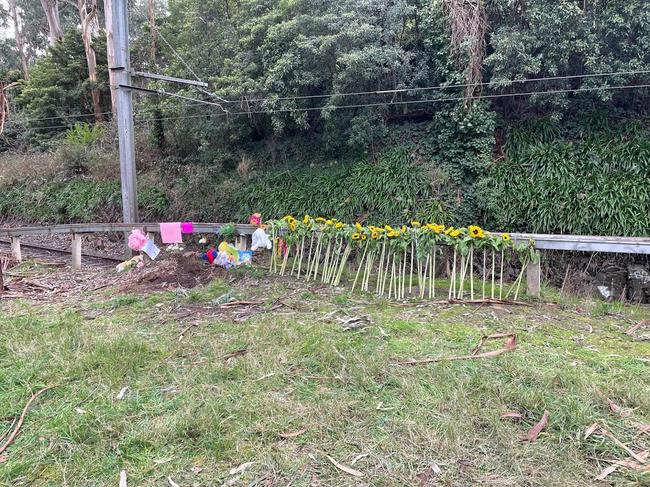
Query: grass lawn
x=193, y=414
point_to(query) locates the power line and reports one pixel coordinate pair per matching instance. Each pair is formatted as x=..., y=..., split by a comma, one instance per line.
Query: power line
x=440, y=87
x=364, y=105
x=410, y=102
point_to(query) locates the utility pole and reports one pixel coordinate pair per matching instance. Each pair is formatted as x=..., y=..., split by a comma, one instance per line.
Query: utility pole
x=117, y=28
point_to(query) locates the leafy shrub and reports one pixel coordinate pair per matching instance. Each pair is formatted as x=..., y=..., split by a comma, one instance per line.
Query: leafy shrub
x=592, y=186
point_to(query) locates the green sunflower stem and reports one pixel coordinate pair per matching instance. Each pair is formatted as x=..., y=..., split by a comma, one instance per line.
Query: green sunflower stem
x=309, y=256
x=404, y=275
x=385, y=274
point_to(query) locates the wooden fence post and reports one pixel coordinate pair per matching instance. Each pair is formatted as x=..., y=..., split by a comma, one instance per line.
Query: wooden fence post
x=241, y=242
x=76, y=251
x=15, y=248
x=533, y=277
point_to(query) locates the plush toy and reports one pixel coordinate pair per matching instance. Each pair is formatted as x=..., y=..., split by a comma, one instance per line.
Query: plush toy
x=137, y=240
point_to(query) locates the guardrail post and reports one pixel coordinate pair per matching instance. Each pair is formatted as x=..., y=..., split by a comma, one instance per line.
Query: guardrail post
x=533, y=277
x=76, y=251
x=241, y=242
x=15, y=248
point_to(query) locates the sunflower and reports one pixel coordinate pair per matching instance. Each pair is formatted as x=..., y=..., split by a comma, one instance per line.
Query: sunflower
x=358, y=226
x=506, y=237
x=449, y=230
x=287, y=217
x=416, y=224
x=339, y=225
x=363, y=236
x=438, y=228
x=455, y=233
x=374, y=235
x=293, y=225
x=306, y=219
x=329, y=222
x=388, y=228
x=320, y=219
x=475, y=231
x=356, y=236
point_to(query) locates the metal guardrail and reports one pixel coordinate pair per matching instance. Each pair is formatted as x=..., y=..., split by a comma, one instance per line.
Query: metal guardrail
x=581, y=243
x=584, y=243
x=80, y=228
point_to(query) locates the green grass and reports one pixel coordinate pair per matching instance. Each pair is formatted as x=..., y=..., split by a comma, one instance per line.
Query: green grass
x=187, y=407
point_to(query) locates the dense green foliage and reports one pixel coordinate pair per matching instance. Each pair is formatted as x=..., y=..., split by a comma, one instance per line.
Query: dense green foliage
x=282, y=143
x=599, y=185
x=78, y=200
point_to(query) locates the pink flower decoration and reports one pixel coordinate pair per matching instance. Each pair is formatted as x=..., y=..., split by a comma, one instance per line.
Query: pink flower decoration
x=255, y=219
x=137, y=240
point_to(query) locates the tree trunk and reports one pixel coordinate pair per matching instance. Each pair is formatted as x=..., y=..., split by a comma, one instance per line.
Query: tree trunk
x=110, y=54
x=20, y=42
x=51, y=8
x=88, y=19
x=151, y=14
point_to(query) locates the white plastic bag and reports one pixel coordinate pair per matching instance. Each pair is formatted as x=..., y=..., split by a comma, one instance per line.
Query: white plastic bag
x=261, y=240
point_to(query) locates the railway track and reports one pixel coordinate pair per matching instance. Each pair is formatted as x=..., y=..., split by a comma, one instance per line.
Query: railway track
x=92, y=255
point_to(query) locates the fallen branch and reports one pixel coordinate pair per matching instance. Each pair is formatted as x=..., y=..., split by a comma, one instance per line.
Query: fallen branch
x=14, y=433
x=232, y=304
x=630, y=331
x=237, y=353
x=510, y=344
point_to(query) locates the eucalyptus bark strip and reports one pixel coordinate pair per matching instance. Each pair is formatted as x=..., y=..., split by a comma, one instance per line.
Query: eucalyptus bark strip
x=411, y=276
x=293, y=266
x=344, y=260
x=501, y=277
x=471, y=273
x=432, y=274
x=381, y=266
x=452, y=281
x=302, y=255
x=326, y=259
x=494, y=261
x=423, y=287
x=484, y=276
x=404, y=275
x=363, y=257
x=309, y=255
x=385, y=273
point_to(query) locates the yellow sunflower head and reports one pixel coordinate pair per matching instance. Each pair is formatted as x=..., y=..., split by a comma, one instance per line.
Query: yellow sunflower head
x=363, y=236
x=449, y=230
x=358, y=226
x=438, y=228
x=475, y=231
x=506, y=237
x=293, y=225
x=455, y=233
x=320, y=219
x=388, y=228
x=306, y=219
x=374, y=235
x=356, y=236
x=329, y=222
x=339, y=225
x=416, y=224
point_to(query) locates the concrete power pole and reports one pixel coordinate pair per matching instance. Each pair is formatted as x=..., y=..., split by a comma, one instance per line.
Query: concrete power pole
x=117, y=28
